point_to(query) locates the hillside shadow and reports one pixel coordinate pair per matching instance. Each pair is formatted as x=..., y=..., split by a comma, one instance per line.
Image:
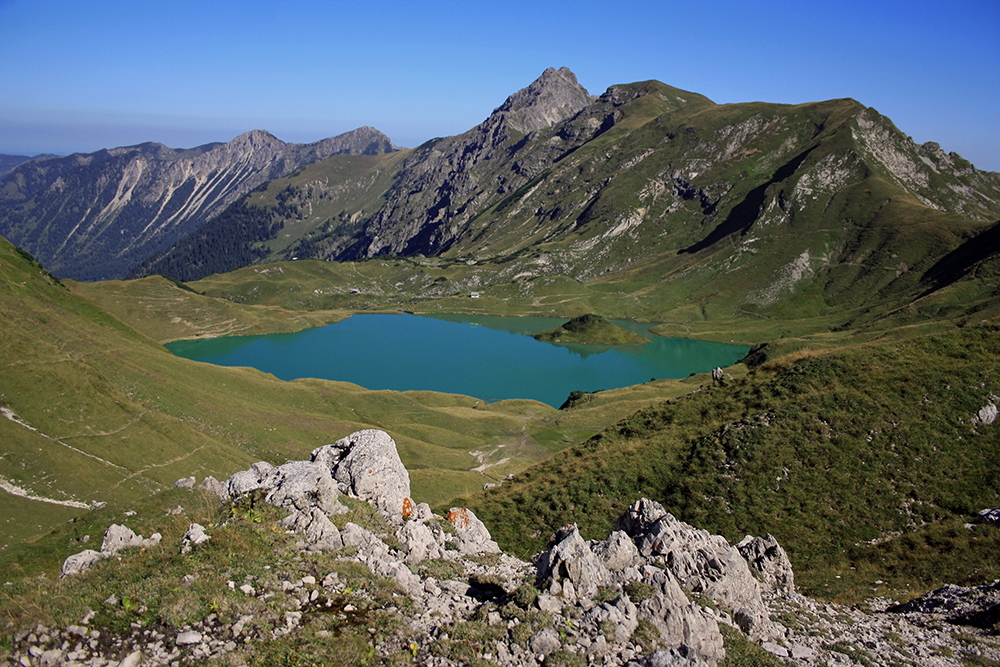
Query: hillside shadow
x=963, y=259
x=744, y=214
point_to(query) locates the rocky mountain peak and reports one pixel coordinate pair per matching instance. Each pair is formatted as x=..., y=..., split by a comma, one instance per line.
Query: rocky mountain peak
x=256, y=138
x=256, y=135
x=365, y=140
x=552, y=97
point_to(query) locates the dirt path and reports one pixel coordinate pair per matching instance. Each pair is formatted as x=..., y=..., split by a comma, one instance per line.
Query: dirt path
x=15, y=490
x=9, y=414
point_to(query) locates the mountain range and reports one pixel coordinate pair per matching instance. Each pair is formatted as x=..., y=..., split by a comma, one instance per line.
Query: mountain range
x=94, y=216
x=744, y=208
x=762, y=206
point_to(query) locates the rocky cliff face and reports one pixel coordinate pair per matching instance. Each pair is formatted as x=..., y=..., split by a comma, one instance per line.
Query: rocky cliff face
x=554, y=96
x=94, y=216
x=449, y=181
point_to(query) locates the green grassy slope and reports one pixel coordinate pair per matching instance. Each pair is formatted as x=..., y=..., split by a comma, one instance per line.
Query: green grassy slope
x=167, y=311
x=96, y=411
x=439, y=286
x=826, y=451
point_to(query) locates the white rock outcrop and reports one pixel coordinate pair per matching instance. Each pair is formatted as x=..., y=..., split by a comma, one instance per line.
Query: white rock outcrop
x=366, y=465
x=766, y=557
x=473, y=536
x=701, y=562
x=116, y=538
x=194, y=536
x=619, y=602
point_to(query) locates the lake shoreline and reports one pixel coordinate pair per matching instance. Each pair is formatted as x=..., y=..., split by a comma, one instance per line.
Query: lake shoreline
x=490, y=358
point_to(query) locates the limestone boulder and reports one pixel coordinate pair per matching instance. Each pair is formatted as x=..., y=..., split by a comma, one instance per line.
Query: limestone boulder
x=194, y=536
x=701, y=562
x=684, y=627
x=296, y=485
x=620, y=615
x=365, y=540
x=419, y=542
x=617, y=552
x=988, y=413
x=151, y=541
x=302, y=485
x=570, y=567
x=212, y=485
x=420, y=513
x=473, y=536
x=766, y=558
x=990, y=517
x=117, y=538
x=185, y=483
x=545, y=642
x=366, y=465
x=247, y=481
x=316, y=526
x=79, y=562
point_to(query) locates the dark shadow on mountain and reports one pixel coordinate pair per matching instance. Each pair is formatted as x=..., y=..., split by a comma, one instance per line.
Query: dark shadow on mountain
x=744, y=214
x=963, y=259
x=430, y=241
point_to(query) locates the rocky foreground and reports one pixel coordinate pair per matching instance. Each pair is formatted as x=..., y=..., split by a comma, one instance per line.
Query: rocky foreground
x=656, y=591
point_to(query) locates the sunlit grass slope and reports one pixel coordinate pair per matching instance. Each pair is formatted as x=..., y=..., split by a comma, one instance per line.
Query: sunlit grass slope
x=827, y=451
x=96, y=411
x=165, y=311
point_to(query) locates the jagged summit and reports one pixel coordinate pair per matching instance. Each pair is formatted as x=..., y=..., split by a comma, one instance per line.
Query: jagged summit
x=550, y=98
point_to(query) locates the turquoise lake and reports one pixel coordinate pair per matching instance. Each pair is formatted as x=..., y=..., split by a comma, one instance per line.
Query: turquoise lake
x=490, y=358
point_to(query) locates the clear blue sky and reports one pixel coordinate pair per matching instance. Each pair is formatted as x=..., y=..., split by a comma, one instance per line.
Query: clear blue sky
x=81, y=75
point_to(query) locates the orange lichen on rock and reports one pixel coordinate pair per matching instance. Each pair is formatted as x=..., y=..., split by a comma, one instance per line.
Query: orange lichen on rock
x=407, y=508
x=459, y=517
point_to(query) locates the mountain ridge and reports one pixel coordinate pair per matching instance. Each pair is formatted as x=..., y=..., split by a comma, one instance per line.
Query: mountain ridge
x=820, y=207
x=94, y=215
x=644, y=178
x=9, y=162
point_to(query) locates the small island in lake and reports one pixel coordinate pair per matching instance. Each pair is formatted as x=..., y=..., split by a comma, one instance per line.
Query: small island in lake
x=593, y=330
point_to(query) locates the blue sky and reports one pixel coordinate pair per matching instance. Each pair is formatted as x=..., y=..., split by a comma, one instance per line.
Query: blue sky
x=80, y=76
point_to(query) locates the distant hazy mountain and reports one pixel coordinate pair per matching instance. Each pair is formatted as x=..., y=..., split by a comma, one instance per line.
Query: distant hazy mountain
x=95, y=216
x=755, y=204
x=8, y=162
